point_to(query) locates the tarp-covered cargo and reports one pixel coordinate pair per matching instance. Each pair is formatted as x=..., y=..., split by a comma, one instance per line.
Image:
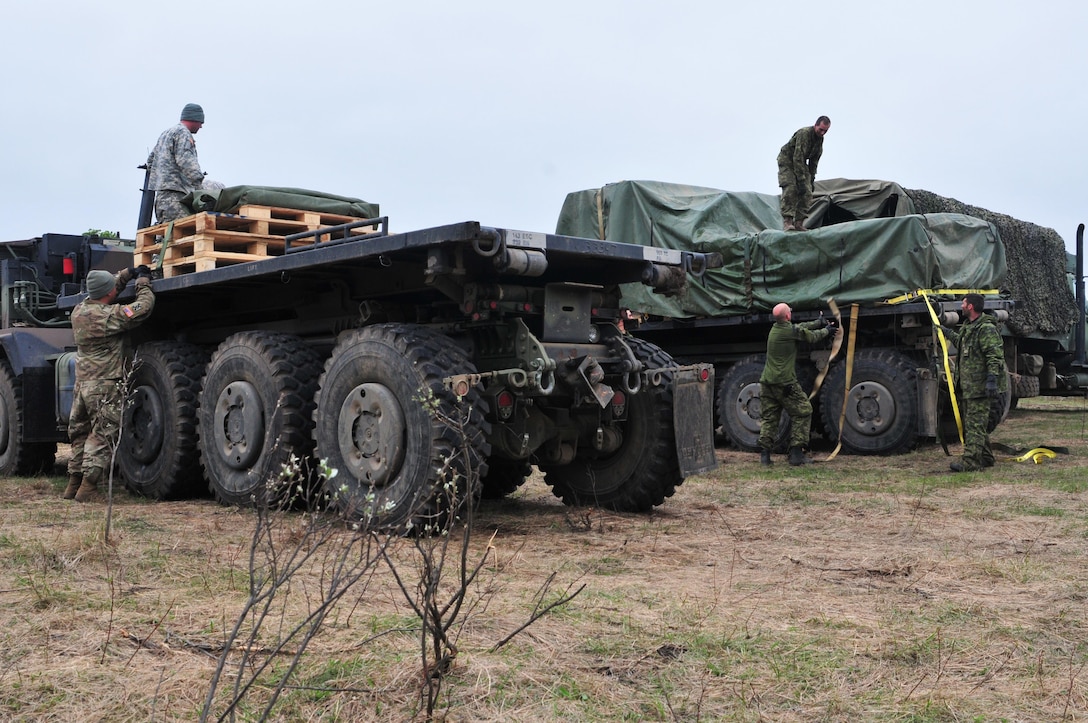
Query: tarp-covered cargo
x=228, y=200
x=860, y=261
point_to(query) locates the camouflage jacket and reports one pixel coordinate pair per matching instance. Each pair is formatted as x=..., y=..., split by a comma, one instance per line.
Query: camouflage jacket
x=173, y=162
x=980, y=353
x=799, y=157
x=101, y=330
x=781, y=367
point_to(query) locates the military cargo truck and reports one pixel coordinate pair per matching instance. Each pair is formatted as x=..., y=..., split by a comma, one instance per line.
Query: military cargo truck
x=890, y=270
x=394, y=357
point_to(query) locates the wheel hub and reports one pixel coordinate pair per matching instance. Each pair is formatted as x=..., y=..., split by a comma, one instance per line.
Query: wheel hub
x=239, y=424
x=144, y=424
x=870, y=408
x=749, y=408
x=371, y=431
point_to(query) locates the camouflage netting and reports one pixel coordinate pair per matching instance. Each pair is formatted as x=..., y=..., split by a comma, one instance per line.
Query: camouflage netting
x=1036, y=257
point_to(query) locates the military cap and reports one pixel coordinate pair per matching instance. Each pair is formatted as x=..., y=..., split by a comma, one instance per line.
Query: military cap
x=192, y=112
x=99, y=283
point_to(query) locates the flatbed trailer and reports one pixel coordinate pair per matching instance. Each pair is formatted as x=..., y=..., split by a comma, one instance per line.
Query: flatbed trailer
x=405, y=360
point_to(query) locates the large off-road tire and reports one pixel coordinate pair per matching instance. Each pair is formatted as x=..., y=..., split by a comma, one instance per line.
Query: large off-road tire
x=644, y=470
x=504, y=477
x=16, y=456
x=882, y=404
x=256, y=413
x=407, y=452
x=158, y=455
x=1024, y=386
x=739, y=405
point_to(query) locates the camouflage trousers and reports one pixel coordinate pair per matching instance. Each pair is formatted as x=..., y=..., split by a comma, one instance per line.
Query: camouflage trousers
x=796, y=199
x=168, y=206
x=93, y=427
x=976, y=437
x=773, y=399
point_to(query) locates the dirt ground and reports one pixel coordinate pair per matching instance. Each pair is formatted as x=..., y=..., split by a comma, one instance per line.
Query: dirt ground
x=858, y=589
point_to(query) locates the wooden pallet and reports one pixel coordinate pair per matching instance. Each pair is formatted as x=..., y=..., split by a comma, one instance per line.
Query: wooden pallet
x=206, y=241
x=191, y=253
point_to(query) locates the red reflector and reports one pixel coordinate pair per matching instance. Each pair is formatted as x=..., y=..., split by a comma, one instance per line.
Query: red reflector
x=619, y=399
x=505, y=402
x=704, y=374
x=68, y=266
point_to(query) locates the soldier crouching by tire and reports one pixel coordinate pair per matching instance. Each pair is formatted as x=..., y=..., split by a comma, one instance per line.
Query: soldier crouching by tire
x=100, y=328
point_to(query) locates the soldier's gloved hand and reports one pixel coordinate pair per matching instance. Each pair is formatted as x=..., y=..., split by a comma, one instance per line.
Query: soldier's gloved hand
x=991, y=386
x=831, y=324
x=143, y=272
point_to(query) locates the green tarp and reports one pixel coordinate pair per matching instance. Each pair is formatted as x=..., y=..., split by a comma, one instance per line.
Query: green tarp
x=859, y=261
x=228, y=200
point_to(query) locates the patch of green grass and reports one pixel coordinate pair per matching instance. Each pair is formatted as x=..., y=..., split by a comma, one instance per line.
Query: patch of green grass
x=607, y=566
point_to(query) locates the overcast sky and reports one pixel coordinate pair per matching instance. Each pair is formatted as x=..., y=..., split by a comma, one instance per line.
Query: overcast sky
x=493, y=111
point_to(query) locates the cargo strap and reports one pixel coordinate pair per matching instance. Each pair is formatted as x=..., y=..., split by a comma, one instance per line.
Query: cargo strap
x=923, y=293
x=162, y=248
x=835, y=346
x=1036, y=454
x=600, y=214
x=850, y=345
x=947, y=363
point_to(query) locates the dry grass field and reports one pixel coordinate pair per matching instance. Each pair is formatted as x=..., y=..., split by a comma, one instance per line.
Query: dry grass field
x=862, y=589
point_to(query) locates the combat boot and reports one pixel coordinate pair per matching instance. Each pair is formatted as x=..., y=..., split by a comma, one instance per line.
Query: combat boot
x=74, y=480
x=798, y=457
x=787, y=224
x=799, y=224
x=88, y=490
x=765, y=458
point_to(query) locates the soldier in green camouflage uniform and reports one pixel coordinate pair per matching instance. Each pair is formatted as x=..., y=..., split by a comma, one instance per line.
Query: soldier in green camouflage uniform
x=101, y=330
x=779, y=388
x=979, y=377
x=175, y=170
x=797, y=163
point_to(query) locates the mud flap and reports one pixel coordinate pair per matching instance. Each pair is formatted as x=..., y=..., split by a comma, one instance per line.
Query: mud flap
x=693, y=418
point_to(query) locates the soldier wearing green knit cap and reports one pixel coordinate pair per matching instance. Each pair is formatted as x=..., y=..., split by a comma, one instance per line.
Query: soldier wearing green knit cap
x=174, y=167
x=100, y=327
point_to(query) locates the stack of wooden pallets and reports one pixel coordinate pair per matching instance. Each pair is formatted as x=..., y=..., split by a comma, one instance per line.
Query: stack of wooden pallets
x=207, y=241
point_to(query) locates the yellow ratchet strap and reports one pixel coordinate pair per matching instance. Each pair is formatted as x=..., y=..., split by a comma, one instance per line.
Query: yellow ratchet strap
x=836, y=344
x=849, y=373
x=947, y=364
x=1036, y=455
x=922, y=293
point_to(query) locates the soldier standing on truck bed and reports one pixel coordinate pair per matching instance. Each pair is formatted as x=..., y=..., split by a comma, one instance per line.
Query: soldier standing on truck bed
x=778, y=385
x=797, y=163
x=175, y=170
x=100, y=328
x=979, y=376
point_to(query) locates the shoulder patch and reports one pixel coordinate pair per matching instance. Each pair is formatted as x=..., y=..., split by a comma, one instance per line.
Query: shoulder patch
x=127, y=311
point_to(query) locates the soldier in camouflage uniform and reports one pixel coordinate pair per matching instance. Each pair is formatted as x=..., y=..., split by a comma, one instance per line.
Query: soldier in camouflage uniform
x=779, y=388
x=979, y=377
x=175, y=170
x=101, y=330
x=797, y=163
